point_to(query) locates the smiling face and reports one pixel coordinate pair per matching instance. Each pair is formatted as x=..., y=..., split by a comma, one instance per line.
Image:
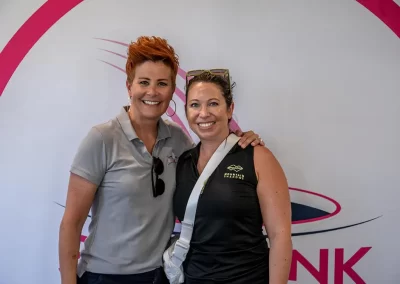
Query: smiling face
x=151, y=90
x=207, y=111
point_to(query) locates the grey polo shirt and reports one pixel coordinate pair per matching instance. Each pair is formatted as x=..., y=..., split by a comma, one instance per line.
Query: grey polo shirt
x=129, y=228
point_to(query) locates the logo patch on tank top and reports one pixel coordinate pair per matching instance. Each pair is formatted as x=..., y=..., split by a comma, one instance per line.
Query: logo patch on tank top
x=234, y=169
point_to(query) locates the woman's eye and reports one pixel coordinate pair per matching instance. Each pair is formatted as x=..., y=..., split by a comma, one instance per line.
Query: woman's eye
x=213, y=104
x=144, y=83
x=163, y=84
x=194, y=105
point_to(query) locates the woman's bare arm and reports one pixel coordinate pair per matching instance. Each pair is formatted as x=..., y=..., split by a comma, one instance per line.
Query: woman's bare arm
x=273, y=195
x=79, y=200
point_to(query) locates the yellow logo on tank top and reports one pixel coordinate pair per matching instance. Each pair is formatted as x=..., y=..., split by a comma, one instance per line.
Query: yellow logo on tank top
x=234, y=169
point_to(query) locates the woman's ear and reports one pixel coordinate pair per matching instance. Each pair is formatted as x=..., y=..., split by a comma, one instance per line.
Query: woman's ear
x=128, y=86
x=230, y=110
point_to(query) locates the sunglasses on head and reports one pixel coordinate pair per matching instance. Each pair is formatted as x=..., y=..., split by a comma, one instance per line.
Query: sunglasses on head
x=157, y=168
x=219, y=72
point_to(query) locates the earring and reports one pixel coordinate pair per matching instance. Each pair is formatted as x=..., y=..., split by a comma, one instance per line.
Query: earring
x=174, y=110
x=129, y=103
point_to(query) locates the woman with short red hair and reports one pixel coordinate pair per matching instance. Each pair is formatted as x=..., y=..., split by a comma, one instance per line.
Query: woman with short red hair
x=124, y=171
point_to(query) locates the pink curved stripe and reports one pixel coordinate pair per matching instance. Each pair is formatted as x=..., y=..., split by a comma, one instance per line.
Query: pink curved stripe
x=182, y=73
x=386, y=10
x=337, y=205
x=180, y=94
x=115, y=66
x=28, y=34
x=113, y=41
x=109, y=51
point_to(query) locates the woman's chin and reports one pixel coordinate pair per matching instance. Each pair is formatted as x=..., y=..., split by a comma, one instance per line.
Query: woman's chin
x=206, y=135
x=152, y=115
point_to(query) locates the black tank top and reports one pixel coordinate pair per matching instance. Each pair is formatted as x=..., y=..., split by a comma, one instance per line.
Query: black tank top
x=228, y=245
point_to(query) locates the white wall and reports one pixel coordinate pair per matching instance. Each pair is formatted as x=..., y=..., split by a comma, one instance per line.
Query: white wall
x=319, y=80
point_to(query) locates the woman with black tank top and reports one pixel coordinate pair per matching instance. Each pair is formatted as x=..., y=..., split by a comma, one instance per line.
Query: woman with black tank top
x=247, y=189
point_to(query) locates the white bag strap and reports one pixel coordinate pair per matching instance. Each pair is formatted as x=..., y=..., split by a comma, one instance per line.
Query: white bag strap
x=182, y=245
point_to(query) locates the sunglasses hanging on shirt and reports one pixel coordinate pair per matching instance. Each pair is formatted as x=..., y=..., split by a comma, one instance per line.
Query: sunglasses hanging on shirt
x=157, y=169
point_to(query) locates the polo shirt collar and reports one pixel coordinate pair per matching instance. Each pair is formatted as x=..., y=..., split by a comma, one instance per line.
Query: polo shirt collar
x=123, y=119
x=163, y=130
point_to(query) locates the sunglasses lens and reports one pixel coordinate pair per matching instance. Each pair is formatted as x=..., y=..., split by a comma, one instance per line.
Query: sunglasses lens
x=218, y=71
x=191, y=74
x=160, y=187
x=194, y=73
x=158, y=166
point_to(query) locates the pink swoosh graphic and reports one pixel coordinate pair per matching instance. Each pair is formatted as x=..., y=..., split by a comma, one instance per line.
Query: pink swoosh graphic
x=29, y=33
x=115, y=66
x=337, y=205
x=115, y=53
x=386, y=10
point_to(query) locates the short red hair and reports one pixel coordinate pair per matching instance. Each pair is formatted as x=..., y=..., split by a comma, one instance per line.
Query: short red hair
x=154, y=49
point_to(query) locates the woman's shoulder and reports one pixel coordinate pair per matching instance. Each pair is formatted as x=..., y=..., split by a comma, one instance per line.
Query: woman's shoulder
x=263, y=157
x=265, y=161
x=262, y=151
x=106, y=130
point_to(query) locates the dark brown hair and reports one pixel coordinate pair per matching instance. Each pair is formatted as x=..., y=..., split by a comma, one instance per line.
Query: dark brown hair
x=220, y=81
